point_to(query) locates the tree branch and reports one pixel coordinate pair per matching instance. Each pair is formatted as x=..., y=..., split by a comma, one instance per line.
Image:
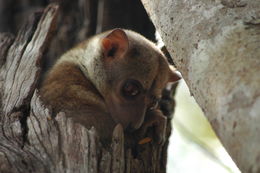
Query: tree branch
x=215, y=45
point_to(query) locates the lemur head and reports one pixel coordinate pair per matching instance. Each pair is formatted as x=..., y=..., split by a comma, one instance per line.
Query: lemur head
x=130, y=72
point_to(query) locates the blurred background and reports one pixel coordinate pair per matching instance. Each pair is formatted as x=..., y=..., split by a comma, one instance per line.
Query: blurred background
x=193, y=147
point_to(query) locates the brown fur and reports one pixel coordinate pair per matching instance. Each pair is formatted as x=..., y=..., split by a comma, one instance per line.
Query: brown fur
x=67, y=89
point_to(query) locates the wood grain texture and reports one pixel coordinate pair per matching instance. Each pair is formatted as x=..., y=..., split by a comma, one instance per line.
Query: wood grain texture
x=6, y=39
x=22, y=66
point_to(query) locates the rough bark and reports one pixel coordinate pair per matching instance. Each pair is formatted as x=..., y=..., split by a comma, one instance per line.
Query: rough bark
x=216, y=46
x=33, y=140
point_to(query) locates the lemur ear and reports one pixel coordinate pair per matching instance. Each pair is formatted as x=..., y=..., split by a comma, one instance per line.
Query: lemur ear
x=174, y=75
x=115, y=44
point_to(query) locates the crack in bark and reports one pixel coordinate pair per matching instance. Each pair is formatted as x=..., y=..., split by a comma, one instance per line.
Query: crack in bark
x=38, y=138
x=60, y=141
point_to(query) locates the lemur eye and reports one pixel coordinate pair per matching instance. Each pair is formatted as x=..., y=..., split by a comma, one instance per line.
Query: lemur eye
x=131, y=89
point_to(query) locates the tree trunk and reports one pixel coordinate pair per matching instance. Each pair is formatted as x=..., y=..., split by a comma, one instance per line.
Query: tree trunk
x=31, y=139
x=216, y=46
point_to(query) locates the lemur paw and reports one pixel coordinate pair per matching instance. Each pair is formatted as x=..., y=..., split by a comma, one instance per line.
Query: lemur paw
x=155, y=119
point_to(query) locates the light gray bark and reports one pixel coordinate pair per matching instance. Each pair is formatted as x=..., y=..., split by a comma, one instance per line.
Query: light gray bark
x=216, y=46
